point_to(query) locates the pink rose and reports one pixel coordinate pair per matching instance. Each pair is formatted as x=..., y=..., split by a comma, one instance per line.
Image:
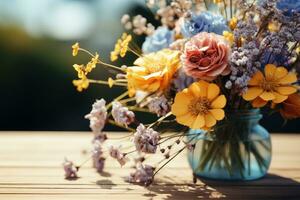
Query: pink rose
x=206, y=56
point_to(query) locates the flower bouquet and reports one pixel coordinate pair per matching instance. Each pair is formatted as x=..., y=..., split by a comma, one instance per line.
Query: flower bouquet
x=205, y=72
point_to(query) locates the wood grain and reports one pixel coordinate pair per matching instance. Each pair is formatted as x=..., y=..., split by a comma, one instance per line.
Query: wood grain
x=30, y=168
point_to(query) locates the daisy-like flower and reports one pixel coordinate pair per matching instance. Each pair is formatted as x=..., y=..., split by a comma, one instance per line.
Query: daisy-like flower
x=75, y=49
x=121, y=47
x=199, y=106
x=274, y=85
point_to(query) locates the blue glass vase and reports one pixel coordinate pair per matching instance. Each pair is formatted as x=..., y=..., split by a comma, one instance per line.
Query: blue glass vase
x=237, y=148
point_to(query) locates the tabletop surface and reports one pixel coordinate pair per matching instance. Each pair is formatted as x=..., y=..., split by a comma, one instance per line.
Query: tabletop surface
x=31, y=168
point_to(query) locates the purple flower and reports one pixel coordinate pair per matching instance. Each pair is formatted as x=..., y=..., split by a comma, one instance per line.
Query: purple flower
x=97, y=116
x=121, y=114
x=146, y=139
x=70, y=169
x=115, y=153
x=159, y=105
x=182, y=81
x=143, y=174
x=98, y=159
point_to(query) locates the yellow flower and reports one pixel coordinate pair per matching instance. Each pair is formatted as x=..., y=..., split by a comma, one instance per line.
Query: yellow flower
x=80, y=70
x=124, y=44
x=228, y=36
x=92, y=64
x=298, y=50
x=153, y=72
x=275, y=86
x=273, y=27
x=199, y=106
x=111, y=82
x=233, y=23
x=75, y=49
x=81, y=83
x=121, y=47
x=113, y=56
x=218, y=1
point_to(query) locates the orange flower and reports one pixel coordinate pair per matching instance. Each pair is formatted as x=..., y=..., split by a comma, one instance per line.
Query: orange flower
x=153, y=72
x=290, y=108
x=275, y=86
x=199, y=106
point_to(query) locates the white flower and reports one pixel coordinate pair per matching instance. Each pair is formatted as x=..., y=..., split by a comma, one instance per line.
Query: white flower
x=115, y=153
x=121, y=114
x=97, y=116
x=146, y=139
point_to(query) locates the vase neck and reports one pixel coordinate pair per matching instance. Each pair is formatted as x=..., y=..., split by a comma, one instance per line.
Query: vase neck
x=244, y=115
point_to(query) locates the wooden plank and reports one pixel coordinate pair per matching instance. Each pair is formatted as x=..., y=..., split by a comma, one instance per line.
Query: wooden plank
x=88, y=176
x=30, y=168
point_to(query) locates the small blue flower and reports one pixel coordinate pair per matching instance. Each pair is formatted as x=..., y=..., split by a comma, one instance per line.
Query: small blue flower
x=205, y=22
x=161, y=38
x=289, y=7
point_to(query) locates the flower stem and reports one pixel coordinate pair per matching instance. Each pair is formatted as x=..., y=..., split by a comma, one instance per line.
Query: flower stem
x=111, y=66
x=119, y=125
x=105, y=82
x=117, y=99
x=160, y=119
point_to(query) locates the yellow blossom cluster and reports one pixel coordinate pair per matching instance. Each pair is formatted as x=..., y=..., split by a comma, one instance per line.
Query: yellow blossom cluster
x=233, y=23
x=83, y=70
x=75, y=49
x=228, y=36
x=81, y=84
x=121, y=47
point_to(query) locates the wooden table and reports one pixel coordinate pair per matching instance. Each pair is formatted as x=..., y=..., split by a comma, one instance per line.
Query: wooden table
x=30, y=168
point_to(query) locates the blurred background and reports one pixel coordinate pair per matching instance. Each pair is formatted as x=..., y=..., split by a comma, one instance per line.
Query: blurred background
x=36, y=62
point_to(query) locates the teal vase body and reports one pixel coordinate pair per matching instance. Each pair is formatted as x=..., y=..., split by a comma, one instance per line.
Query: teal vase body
x=237, y=148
